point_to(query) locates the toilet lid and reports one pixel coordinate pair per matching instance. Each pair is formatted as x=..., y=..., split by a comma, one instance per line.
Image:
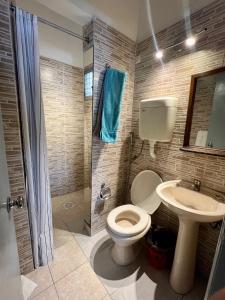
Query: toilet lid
x=143, y=191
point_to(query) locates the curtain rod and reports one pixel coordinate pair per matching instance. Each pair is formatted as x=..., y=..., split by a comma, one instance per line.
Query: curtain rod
x=53, y=25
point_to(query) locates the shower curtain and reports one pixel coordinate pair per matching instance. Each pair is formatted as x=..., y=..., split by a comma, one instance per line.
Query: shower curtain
x=33, y=135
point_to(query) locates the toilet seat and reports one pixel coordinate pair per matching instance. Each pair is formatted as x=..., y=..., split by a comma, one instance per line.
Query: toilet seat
x=127, y=220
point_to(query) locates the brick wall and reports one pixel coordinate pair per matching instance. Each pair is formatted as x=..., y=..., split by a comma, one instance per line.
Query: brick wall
x=110, y=161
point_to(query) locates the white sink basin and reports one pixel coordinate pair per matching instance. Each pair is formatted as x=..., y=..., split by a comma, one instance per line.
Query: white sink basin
x=191, y=208
x=190, y=204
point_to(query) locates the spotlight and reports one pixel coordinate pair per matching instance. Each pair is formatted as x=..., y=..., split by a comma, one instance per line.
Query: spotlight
x=159, y=54
x=190, y=41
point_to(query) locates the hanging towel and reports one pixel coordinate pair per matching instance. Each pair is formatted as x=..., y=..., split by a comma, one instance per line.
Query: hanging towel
x=114, y=83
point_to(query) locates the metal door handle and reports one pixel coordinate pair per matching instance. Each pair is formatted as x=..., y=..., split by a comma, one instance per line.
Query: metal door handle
x=19, y=203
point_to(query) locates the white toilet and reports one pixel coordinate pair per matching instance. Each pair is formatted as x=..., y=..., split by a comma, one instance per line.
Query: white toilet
x=127, y=224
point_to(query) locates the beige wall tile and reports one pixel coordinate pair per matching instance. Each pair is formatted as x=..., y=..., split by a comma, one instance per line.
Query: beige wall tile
x=63, y=97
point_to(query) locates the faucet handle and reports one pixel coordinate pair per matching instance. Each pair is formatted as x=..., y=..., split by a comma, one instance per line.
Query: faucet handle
x=196, y=185
x=197, y=182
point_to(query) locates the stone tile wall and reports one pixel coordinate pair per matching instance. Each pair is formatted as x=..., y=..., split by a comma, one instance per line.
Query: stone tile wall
x=110, y=161
x=172, y=78
x=63, y=97
x=9, y=110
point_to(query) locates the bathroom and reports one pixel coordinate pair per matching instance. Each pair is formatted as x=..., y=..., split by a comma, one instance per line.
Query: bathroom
x=87, y=178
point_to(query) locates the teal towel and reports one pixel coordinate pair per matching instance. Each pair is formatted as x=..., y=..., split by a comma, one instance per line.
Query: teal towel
x=113, y=89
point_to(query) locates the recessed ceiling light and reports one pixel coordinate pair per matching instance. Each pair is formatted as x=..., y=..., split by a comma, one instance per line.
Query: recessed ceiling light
x=190, y=41
x=159, y=54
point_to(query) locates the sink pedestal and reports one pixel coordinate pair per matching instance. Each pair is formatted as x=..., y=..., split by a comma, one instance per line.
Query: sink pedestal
x=183, y=269
x=192, y=208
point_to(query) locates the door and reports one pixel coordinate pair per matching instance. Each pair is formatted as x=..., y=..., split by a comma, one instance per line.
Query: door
x=217, y=278
x=10, y=282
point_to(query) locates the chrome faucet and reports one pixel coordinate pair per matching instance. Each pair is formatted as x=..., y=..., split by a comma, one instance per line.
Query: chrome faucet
x=196, y=185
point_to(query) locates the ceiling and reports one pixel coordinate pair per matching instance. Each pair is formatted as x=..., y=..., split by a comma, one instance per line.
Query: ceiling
x=134, y=18
x=163, y=13
x=120, y=14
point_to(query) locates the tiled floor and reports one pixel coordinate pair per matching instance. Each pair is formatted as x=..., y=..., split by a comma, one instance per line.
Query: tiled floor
x=83, y=268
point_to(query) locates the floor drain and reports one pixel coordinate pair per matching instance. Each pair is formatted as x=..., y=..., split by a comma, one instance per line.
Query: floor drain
x=68, y=205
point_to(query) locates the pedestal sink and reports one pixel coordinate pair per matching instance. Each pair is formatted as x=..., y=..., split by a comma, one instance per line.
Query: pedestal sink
x=191, y=208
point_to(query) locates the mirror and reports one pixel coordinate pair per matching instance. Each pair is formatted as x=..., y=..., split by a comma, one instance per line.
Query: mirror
x=206, y=114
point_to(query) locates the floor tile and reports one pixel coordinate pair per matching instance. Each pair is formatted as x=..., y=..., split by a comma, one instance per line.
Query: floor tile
x=58, y=223
x=66, y=259
x=91, y=244
x=163, y=289
x=143, y=288
x=75, y=223
x=81, y=284
x=198, y=291
x=67, y=204
x=61, y=237
x=110, y=274
x=74, y=219
x=107, y=297
x=133, y=282
x=48, y=294
x=42, y=278
x=83, y=267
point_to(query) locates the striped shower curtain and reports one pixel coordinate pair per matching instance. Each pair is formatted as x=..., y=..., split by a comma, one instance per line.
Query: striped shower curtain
x=33, y=136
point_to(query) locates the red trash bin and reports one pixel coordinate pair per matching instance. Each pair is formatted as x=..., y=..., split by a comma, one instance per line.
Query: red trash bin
x=158, y=259
x=160, y=247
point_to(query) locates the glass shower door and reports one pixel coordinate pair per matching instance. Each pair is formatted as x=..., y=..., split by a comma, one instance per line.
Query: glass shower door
x=217, y=278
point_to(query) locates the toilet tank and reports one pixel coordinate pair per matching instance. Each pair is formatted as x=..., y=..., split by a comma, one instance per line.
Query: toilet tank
x=157, y=118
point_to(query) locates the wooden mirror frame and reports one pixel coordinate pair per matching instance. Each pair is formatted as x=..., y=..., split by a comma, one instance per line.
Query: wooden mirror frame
x=187, y=133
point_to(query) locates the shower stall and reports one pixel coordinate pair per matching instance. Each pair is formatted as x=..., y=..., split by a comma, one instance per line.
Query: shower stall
x=67, y=98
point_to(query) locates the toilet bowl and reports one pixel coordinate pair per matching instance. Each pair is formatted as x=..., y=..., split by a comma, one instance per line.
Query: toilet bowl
x=127, y=224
